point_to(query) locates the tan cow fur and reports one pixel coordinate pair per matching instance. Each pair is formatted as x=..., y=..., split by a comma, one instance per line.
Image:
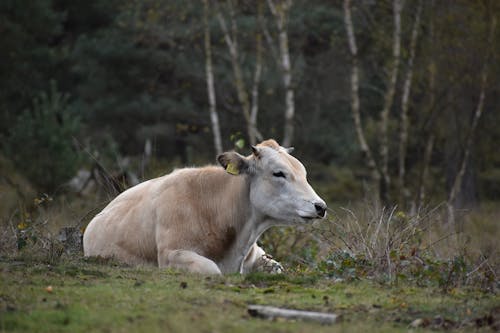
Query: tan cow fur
x=198, y=219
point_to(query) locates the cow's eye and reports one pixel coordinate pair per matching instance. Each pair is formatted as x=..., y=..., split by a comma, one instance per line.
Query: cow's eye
x=279, y=174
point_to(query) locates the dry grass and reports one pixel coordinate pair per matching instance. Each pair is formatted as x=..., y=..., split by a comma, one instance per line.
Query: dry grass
x=389, y=243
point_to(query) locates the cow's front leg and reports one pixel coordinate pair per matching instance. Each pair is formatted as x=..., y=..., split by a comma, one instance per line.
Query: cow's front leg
x=259, y=261
x=187, y=260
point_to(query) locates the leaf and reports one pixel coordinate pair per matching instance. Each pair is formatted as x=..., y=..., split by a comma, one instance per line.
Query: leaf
x=239, y=143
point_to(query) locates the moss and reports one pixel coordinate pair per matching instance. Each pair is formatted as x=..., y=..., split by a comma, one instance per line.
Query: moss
x=98, y=297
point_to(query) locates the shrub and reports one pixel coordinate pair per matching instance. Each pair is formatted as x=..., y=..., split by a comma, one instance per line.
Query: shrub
x=390, y=246
x=40, y=142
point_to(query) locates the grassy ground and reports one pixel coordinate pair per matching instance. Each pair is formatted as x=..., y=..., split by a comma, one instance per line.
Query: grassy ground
x=381, y=271
x=91, y=296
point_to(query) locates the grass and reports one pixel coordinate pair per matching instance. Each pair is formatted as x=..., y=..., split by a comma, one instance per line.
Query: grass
x=93, y=296
x=381, y=270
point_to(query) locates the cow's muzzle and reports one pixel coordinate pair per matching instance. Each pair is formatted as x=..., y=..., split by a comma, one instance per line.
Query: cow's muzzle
x=320, y=209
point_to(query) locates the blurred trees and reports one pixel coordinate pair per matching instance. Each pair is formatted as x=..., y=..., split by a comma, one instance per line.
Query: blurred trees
x=27, y=60
x=136, y=72
x=40, y=143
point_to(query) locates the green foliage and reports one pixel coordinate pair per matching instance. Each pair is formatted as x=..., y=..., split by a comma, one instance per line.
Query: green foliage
x=27, y=59
x=41, y=141
x=344, y=265
x=135, y=71
x=292, y=245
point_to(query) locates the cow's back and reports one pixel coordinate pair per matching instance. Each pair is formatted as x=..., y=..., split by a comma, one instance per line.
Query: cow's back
x=189, y=208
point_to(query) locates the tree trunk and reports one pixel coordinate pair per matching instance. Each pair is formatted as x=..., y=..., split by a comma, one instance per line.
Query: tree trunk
x=388, y=101
x=355, y=103
x=256, y=78
x=457, y=184
x=428, y=134
x=403, y=134
x=280, y=12
x=232, y=45
x=214, y=117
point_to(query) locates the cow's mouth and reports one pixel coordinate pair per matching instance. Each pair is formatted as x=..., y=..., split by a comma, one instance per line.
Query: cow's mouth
x=310, y=217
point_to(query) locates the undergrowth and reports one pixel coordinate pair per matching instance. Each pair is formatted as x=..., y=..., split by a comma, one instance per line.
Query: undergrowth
x=391, y=246
x=368, y=242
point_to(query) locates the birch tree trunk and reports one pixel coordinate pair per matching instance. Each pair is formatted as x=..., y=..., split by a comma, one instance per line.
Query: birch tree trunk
x=270, y=42
x=429, y=135
x=214, y=117
x=457, y=184
x=280, y=11
x=388, y=101
x=257, y=74
x=232, y=45
x=403, y=134
x=355, y=102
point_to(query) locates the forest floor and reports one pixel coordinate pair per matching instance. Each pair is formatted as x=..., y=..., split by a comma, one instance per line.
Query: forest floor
x=80, y=295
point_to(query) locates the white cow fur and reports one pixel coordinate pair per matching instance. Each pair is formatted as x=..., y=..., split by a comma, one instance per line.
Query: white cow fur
x=206, y=220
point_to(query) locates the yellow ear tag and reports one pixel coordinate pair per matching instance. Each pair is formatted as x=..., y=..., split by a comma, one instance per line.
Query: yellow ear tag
x=232, y=169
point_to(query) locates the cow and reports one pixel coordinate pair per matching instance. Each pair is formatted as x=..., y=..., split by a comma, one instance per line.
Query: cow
x=207, y=220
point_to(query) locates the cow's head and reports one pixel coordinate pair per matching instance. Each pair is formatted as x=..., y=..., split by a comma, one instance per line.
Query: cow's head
x=278, y=183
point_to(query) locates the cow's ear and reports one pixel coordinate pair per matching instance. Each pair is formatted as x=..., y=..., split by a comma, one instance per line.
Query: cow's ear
x=233, y=162
x=256, y=151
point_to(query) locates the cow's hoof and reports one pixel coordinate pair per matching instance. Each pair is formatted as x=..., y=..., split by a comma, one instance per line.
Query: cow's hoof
x=271, y=266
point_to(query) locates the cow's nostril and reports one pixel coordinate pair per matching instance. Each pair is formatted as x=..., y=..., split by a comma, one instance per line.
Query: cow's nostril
x=320, y=209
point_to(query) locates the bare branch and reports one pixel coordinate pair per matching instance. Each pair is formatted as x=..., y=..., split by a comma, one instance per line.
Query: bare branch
x=232, y=45
x=355, y=103
x=270, y=41
x=457, y=184
x=274, y=312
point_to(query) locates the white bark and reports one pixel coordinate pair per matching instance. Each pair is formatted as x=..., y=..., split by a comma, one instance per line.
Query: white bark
x=403, y=134
x=270, y=43
x=457, y=184
x=355, y=102
x=272, y=312
x=280, y=11
x=389, y=98
x=232, y=45
x=214, y=117
x=256, y=78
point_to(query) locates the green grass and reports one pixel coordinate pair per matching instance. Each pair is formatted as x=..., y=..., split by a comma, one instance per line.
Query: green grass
x=104, y=297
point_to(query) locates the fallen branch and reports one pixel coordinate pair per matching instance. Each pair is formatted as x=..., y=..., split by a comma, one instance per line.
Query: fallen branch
x=272, y=312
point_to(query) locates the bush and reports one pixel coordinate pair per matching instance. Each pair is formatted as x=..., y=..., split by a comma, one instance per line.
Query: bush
x=40, y=143
x=390, y=245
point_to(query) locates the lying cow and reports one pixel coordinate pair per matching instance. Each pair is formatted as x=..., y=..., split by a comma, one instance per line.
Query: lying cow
x=207, y=220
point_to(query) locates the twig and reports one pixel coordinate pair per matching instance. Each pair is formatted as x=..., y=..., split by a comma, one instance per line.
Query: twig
x=440, y=239
x=477, y=268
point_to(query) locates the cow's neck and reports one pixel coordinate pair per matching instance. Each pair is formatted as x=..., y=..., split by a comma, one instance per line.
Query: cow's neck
x=249, y=229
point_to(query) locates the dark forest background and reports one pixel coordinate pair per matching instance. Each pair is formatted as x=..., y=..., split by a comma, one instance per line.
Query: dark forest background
x=122, y=86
